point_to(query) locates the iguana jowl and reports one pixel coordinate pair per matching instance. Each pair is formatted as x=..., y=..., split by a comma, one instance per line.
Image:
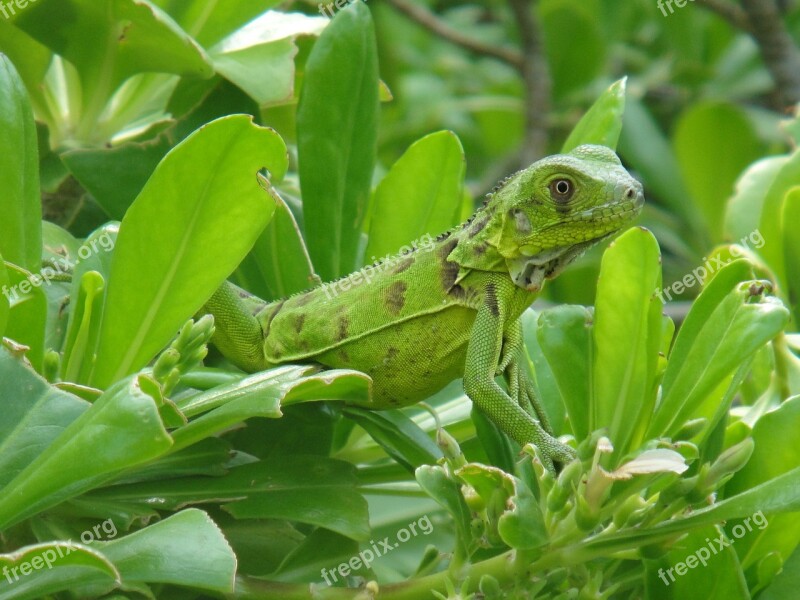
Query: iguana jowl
x=451, y=311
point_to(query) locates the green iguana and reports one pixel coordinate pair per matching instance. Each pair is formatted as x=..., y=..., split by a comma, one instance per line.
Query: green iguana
x=453, y=310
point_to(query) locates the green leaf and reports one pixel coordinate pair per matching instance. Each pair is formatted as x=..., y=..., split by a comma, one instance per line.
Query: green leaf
x=209, y=23
x=186, y=549
x=645, y=148
x=421, y=194
x=602, y=123
x=791, y=249
x=743, y=213
x=27, y=317
x=108, y=41
x=402, y=439
x=259, y=57
x=20, y=205
x=709, y=174
x=194, y=221
x=307, y=489
x=446, y=492
x=124, y=422
x=627, y=338
x=574, y=46
x=337, y=117
x=565, y=337
x=278, y=265
x=724, y=327
x=4, y=298
x=771, y=457
x=43, y=569
x=718, y=575
x=34, y=415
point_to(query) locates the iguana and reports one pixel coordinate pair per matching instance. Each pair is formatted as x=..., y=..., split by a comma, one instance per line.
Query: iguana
x=452, y=310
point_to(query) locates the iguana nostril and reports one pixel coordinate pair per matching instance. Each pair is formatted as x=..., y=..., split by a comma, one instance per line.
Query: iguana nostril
x=631, y=193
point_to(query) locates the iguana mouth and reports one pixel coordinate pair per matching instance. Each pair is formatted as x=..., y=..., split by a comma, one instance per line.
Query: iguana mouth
x=530, y=272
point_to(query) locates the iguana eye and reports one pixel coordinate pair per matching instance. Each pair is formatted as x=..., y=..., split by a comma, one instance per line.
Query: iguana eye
x=561, y=190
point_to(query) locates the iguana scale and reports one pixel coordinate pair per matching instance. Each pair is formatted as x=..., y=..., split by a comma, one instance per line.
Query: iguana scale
x=452, y=310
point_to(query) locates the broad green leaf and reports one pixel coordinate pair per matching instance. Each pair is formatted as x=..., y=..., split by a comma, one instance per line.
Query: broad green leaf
x=564, y=333
x=278, y=265
x=43, y=569
x=705, y=571
x=709, y=174
x=27, y=317
x=20, y=205
x=88, y=34
x=791, y=249
x=770, y=226
x=402, y=439
x=727, y=323
x=446, y=492
x=787, y=582
x=771, y=457
x=645, y=148
x=34, y=415
x=778, y=495
x=337, y=118
x=574, y=46
x=322, y=549
x=307, y=489
x=194, y=221
x=125, y=423
x=743, y=213
x=626, y=339
x=115, y=176
x=186, y=549
x=602, y=123
x=421, y=194
x=209, y=23
x=5, y=292
x=259, y=57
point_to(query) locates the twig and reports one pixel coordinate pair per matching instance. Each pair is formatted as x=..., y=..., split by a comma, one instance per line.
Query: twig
x=732, y=13
x=432, y=23
x=536, y=78
x=778, y=50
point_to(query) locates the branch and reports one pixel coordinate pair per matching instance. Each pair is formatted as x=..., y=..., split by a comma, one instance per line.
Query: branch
x=536, y=78
x=432, y=23
x=778, y=50
x=732, y=13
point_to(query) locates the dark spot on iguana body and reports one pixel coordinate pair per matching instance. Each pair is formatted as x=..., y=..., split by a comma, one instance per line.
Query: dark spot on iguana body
x=299, y=322
x=491, y=299
x=480, y=249
x=478, y=226
x=342, y=325
x=457, y=292
x=396, y=297
x=403, y=265
x=344, y=356
x=391, y=353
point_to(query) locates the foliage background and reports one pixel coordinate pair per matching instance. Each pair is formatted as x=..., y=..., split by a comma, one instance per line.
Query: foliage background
x=469, y=92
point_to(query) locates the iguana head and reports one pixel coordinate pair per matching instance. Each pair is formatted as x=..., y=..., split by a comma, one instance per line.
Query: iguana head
x=545, y=216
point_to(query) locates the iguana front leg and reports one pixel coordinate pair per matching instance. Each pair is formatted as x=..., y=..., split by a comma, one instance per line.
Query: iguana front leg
x=514, y=368
x=484, y=358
